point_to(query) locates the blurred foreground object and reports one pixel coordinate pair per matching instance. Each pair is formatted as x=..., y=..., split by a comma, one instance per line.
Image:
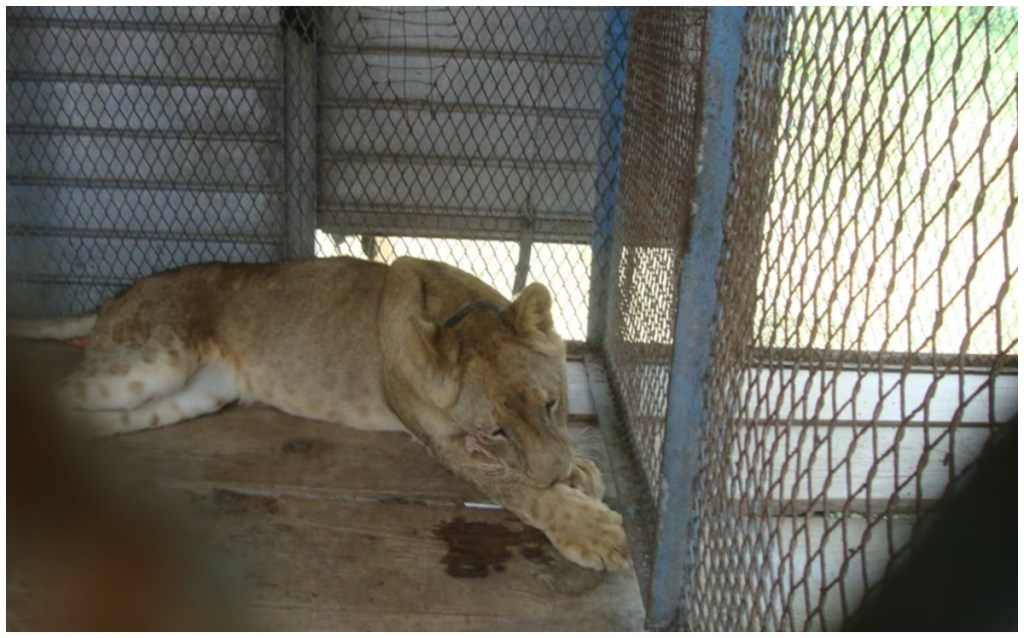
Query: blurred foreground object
x=962, y=574
x=85, y=552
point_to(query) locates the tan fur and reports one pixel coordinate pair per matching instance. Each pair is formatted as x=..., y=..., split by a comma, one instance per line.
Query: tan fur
x=365, y=345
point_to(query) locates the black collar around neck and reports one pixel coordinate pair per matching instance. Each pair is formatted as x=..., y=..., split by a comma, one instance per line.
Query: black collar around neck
x=476, y=306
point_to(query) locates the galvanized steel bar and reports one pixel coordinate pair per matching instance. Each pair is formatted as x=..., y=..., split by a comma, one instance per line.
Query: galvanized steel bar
x=299, y=26
x=698, y=298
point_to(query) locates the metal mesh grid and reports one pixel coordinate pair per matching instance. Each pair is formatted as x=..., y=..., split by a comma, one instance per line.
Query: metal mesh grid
x=659, y=140
x=869, y=292
x=867, y=339
x=470, y=135
x=140, y=139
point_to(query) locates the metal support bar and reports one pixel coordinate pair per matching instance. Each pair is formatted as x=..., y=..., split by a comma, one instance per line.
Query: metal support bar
x=298, y=32
x=634, y=499
x=525, y=251
x=613, y=83
x=676, y=536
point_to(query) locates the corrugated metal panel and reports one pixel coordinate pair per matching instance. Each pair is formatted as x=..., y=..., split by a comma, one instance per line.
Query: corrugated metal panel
x=138, y=139
x=460, y=122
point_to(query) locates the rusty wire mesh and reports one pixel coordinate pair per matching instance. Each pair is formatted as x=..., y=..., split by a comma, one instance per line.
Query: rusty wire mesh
x=659, y=146
x=145, y=138
x=866, y=345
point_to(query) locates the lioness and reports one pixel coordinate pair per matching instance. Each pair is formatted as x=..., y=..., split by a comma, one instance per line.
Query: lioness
x=417, y=345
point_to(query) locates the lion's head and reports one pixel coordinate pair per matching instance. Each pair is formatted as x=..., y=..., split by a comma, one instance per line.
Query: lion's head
x=501, y=379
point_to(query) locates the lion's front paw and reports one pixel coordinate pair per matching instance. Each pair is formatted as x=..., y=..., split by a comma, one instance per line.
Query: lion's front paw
x=586, y=477
x=588, y=533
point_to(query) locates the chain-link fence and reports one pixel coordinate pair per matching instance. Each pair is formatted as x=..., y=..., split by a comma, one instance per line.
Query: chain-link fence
x=864, y=342
x=659, y=152
x=469, y=135
x=139, y=139
x=145, y=138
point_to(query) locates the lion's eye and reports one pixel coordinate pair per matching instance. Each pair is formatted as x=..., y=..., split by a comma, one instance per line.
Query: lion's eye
x=500, y=433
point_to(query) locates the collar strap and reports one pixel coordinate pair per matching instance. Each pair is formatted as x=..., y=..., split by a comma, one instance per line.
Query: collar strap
x=477, y=306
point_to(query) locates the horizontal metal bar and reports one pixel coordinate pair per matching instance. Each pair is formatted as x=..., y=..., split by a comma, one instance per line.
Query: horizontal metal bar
x=409, y=159
x=35, y=278
x=487, y=54
x=829, y=359
x=463, y=107
x=203, y=187
x=150, y=80
x=121, y=234
x=184, y=134
x=166, y=26
x=505, y=230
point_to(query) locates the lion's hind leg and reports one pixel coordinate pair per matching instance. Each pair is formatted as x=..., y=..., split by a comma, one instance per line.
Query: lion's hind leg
x=124, y=377
x=208, y=390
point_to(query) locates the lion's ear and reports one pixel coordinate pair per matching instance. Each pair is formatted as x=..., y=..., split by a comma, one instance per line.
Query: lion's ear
x=531, y=312
x=440, y=356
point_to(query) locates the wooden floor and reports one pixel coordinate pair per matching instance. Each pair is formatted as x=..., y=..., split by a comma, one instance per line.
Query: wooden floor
x=318, y=527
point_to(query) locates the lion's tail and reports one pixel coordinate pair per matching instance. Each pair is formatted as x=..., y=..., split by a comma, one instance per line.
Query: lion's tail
x=60, y=328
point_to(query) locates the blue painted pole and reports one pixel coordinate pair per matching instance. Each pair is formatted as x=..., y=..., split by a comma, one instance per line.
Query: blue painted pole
x=673, y=564
x=613, y=82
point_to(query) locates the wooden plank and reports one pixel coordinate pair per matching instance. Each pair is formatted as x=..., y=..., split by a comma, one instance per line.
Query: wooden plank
x=581, y=404
x=317, y=559
x=332, y=565
x=264, y=451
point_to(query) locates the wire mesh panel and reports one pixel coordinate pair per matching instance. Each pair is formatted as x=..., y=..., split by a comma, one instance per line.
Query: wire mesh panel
x=140, y=139
x=469, y=135
x=866, y=345
x=659, y=152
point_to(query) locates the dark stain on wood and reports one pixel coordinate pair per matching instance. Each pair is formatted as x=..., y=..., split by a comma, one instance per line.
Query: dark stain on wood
x=308, y=448
x=232, y=502
x=475, y=550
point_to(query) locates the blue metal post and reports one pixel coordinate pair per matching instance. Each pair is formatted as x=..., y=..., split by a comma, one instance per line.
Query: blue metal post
x=673, y=565
x=613, y=84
